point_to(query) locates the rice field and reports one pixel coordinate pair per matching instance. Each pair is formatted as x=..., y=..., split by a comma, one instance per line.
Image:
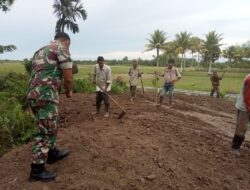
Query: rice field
x=191, y=80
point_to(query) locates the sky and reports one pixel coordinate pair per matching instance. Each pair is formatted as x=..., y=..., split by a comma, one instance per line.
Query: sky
x=119, y=28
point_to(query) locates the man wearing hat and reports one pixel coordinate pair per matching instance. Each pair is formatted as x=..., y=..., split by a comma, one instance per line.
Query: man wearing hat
x=102, y=79
x=170, y=75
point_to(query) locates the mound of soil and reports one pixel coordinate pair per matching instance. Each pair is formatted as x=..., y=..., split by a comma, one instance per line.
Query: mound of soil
x=184, y=147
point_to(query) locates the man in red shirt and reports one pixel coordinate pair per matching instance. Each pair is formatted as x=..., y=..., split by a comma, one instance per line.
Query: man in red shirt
x=243, y=113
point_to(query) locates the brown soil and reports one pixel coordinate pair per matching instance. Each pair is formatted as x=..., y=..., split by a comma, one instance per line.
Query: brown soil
x=186, y=147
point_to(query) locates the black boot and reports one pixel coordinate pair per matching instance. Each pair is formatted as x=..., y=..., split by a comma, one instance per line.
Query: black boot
x=55, y=155
x=237, y=141
x=39, y=173
x=212, y=93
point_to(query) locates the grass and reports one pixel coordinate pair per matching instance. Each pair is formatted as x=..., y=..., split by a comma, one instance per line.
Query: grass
x=11, y=66
x=191, y=80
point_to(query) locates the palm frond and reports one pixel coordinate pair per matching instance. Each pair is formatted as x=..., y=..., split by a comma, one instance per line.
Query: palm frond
x=8, y=48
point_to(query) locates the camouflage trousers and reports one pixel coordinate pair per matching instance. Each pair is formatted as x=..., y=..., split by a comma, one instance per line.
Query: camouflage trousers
x=47, y=119
x=215, y=89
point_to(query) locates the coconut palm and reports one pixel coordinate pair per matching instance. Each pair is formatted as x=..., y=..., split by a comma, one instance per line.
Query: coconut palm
x=196, y=46
x=183, y=43
x=7, y=48
x=67, y=12
x=212, y=48
x=5, y=4
x=156, y=41
x=170, y=49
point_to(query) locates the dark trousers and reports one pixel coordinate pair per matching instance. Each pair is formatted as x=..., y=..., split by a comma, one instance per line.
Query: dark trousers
x=215, y=89
x=101, y=96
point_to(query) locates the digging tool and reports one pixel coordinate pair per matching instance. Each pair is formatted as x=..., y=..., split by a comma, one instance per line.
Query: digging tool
x=116, y=103
x=142, y=86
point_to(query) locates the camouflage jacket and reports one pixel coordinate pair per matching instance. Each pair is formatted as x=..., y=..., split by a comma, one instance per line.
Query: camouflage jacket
x=46, y=73
x=215, y=80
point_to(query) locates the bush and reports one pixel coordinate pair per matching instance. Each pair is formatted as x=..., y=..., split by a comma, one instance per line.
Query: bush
x=14, y=85
x=118, y=86
x=83, y=85
x=86, y=85
x=16, y=126
x=28, y=65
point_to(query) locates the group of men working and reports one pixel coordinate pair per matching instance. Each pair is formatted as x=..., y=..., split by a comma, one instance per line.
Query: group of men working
x=52, y=63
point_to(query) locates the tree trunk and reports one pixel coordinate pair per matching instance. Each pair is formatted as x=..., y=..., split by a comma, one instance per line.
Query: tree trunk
x=210, y=66
x=192, y=62
x=157, y=57
x=184, y=60
x=198, y=59
x=181, y=62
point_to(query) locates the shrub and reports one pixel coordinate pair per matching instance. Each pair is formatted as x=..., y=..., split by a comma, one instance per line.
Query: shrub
x=119, y=86
x=155, y=81
x=28, y=65
x=83, y=85
x=16, y=126
x=14, y=85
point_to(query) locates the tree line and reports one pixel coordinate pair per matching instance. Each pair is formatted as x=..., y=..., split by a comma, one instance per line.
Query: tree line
x=208, y=50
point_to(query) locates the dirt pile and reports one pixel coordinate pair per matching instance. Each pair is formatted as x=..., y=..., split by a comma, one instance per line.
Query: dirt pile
x=186, y=147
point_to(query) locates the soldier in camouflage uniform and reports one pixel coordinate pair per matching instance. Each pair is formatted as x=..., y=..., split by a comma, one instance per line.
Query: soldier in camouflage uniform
x=49, y=64
x=215, y=81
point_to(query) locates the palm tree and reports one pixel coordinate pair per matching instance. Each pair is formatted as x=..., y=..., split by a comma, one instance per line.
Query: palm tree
x=5, y=4
x=212, y=48
x=196, y=46
x=156, y=41
x=236, y=54
x=8, y=48
x=183, y=44
x=67, y=11
x=170, y=49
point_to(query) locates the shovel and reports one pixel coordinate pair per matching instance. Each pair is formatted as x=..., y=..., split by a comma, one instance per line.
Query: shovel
x=116, y=103
x=142, y=86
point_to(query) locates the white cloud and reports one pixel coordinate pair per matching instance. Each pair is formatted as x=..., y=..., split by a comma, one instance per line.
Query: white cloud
x=118, y=28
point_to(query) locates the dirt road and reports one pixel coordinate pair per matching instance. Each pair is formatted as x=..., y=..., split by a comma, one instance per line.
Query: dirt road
x=186, y=147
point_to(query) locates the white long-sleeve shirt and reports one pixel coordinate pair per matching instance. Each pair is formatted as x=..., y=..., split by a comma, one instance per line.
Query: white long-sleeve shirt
x=103, y=76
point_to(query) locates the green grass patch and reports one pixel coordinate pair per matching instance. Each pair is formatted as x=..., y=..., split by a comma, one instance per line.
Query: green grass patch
x=191, y=79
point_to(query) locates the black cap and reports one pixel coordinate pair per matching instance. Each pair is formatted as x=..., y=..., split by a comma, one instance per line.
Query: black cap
x=171, y=61
x=100, y=58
